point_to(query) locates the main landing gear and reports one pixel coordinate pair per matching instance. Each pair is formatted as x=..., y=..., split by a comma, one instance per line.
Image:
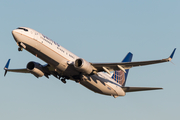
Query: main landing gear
x=63, y=80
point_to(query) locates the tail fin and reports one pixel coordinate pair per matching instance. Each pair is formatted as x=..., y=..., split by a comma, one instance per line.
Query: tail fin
x=119, y=76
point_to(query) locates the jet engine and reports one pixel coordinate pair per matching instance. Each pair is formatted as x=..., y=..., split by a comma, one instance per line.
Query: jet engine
x=35, y=68
x=83, y=66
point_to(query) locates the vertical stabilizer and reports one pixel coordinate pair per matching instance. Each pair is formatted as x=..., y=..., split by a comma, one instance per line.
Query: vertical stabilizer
x=119, y=76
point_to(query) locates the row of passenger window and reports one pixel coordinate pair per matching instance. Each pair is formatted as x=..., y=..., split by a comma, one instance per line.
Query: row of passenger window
x=66, y=53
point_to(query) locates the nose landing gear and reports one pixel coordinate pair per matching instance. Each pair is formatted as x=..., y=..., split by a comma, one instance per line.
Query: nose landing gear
x=21, y=46
x=20, y=49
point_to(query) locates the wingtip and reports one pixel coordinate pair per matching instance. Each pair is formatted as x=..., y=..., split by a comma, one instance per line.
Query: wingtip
x=172, y=54
x=130, y=53
x=6, y=67
x=7, y=64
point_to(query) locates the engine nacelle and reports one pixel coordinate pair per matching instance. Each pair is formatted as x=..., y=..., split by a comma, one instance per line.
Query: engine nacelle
x=83, y=66
x=35, y=68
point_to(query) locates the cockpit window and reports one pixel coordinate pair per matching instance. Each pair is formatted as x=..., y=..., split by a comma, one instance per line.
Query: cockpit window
x=22, y=29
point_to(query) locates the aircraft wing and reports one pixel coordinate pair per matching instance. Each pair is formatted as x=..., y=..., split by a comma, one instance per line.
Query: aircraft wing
x=127, y=65
x=24, y=70
x=135, y=89
x=46, y=68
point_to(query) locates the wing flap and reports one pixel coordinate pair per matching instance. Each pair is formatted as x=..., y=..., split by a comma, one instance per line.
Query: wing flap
x=135, y=89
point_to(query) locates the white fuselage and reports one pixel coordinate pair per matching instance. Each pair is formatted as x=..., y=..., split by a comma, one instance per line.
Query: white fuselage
x=62, y=59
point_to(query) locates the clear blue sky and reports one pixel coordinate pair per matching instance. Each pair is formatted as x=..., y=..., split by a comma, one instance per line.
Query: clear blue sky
x=98, y=31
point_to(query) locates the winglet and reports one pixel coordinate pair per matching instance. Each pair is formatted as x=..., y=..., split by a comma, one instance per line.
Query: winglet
x=172, y=54
x=6, y=67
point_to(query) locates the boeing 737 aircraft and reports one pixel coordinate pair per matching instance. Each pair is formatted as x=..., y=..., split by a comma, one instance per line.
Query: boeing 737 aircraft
x=64, y=65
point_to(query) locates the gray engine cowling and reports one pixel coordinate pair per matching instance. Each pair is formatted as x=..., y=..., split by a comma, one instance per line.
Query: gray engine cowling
x=83, y=66
x=35, y=68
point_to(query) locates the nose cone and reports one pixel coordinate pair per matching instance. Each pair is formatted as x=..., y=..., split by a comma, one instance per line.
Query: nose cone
x=15, y=35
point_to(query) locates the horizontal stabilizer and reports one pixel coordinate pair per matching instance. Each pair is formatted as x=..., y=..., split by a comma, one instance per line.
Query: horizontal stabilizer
x=135, y=89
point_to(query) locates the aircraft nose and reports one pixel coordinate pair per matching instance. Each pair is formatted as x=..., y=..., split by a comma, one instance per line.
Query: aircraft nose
x=14, y=32
x=15, y=35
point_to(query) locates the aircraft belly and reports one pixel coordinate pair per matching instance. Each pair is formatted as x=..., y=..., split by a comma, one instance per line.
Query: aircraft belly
x=117, y=88
x=40, y=55
x=95, y=84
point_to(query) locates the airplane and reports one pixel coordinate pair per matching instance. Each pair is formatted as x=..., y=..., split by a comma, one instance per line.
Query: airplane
x=103, y=78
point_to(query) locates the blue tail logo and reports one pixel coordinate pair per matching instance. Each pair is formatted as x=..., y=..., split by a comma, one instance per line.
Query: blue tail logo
x=119, y=76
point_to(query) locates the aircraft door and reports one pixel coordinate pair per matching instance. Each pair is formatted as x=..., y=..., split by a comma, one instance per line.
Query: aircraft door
x=36, y=38
x=35, y=35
